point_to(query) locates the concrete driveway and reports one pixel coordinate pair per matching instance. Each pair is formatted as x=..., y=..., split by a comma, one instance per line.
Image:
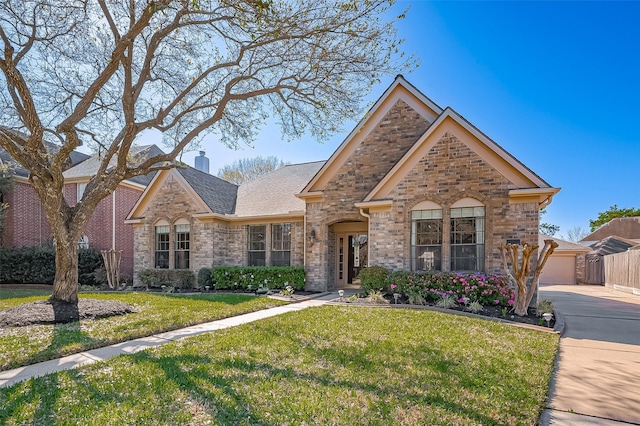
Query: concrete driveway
x=597, y=377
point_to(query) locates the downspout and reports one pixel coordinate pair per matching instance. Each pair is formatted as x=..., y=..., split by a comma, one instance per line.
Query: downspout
x=304, y=238
x=113, y=220
x=362, y=213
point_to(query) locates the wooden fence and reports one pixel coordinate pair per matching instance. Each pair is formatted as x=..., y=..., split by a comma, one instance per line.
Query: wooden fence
x=623, y=269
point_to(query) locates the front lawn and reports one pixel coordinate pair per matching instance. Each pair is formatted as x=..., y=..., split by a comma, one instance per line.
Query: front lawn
x=329, y=365
x=156, y=313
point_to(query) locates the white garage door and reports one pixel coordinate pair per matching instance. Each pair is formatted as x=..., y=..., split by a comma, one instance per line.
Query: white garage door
x=559, y=270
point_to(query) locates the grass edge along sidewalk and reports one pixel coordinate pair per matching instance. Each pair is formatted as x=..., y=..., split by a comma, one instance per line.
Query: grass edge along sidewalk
x=328, y=365
x=157, y=313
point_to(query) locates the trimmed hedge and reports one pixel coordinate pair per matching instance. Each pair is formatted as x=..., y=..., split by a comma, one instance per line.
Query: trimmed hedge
x=176, y=278
x=37, y=265
x=272, y=277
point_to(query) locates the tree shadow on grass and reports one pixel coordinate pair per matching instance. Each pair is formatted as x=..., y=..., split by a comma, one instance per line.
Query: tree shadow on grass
x=188, y=372
x=43, y=392
x=68, y=336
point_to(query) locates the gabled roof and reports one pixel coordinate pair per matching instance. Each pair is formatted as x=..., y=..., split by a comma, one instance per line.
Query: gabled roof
x=526, y=182
x=611, y=245
x=210, y=194
x=218, y=194
x=625, y=227
x=274, y=193
x=400, y=89
x=89, y=168
x=564, y=247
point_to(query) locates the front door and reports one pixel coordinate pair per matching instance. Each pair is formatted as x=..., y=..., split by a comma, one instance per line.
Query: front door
x=351, y=257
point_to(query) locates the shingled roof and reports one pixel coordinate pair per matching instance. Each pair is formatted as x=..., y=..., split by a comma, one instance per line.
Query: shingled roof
x=90, y=167
x=75, y=158
x=625, y=227
x=218, y=194
x=274, y=193
x=611, y=245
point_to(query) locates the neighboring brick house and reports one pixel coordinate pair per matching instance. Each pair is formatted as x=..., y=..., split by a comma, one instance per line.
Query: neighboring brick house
x=26, y=222
x=412, y=187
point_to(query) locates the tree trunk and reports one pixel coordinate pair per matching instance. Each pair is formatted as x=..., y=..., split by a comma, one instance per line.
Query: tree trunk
x=518, y=274
x=65, y=283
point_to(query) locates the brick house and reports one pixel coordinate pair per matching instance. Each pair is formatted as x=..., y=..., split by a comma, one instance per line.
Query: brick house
x=26, y=222
x=412, y=187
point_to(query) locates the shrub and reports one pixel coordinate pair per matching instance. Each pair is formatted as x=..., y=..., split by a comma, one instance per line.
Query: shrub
x=89, y=261
x=176, y=278
x=544, y=306
x=475, y=307
x=446, y=302
x=374, y=278
x=430, y=287
x=204, y=278
x=37, y=265
x=399, y=279
x=272, y=277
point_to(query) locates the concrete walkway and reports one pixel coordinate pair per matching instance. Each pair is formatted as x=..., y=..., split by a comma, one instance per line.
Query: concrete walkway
x=9, y=377
x=597, y=376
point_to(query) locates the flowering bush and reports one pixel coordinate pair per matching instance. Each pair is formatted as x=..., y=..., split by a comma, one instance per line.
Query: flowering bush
x=487, y=289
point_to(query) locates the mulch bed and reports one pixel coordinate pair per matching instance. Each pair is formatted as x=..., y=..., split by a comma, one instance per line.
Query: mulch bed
x=48, y=312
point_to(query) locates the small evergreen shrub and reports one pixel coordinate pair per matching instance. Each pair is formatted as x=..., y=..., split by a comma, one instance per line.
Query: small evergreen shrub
x=204, y=278
x=176, y=278
x=271, y=277
x=374, y=278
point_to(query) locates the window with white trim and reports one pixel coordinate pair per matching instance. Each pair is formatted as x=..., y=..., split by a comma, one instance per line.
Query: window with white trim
x=162, y=246
x=426, y=240
x=181, y=245
x=467, y=238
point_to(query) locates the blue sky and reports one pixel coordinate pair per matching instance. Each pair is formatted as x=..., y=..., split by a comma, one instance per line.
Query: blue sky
x=557, y=84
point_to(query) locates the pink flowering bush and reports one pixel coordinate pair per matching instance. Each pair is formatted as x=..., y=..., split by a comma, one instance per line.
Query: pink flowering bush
x=464, y=288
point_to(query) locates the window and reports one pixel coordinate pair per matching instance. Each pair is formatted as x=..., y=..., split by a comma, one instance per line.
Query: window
x=257, y=245
x=181, y=246
x=426, y=240
x=467, y=239
x=281, y=244
x=162, y=247
x=83, y=242
x=80, y=187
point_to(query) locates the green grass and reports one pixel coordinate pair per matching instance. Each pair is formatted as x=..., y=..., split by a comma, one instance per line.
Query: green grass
x=331, y=365
x=156, y=313
x=15, y=293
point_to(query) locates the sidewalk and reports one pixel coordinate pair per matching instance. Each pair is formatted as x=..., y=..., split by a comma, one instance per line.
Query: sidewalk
x=10, y=377
x=597, y=376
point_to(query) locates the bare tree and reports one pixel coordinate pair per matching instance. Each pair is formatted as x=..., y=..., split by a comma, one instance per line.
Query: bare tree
x=246, y=169
x=102, y=72
x=576, y=233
